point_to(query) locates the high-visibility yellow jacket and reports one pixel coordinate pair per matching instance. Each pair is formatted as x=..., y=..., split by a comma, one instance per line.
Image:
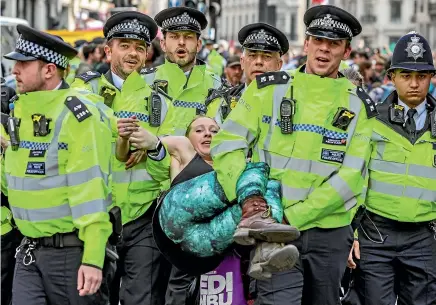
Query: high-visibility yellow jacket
x=134, y=190
x=402, y=170
x=321, y=167
x=58, y=183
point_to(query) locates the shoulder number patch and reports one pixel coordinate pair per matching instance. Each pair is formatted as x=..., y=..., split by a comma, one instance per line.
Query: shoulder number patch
x=370, y=107
x=87, y=76
x=272, y=78
x=78, y=108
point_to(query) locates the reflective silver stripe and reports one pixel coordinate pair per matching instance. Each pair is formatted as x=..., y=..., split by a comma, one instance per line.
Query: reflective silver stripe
x=227, y=146
x=128, y=176
x=389, y=167
x=52, y=161
x=64, y=210
x=91, y=207
x=295, y=194
x=164, y=108
x=354, y=162
x=45, y=183
x=422, y=171
x=341, y=187
x=311, y=166
x=279, y=93
x=355, y=106
x=42, y=214
x=401, y=169
x=94, y=85
x=238, y=130
x=401, y=191
x=179, y=132
x=149, y=78
x=350, y=204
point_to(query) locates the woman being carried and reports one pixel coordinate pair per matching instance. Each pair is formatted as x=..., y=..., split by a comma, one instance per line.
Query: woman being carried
x=195, y=214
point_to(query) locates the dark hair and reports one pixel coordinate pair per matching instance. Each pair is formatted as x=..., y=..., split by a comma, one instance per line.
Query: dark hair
x=353, y=54
x=200, y=116
x=364, y=66
x=88, y=50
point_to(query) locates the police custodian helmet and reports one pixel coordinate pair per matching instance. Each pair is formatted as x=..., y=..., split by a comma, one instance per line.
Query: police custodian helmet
x=412, y=52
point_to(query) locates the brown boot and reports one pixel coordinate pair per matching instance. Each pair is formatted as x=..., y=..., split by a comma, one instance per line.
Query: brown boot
x=272, y=257
x=257, y=224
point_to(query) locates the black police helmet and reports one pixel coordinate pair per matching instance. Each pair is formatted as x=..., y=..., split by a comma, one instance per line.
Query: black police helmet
x=412, y=52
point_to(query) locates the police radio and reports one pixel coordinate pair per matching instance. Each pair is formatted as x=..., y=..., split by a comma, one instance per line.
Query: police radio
x=154, y=107
x=433, y=124
x=396, y=114
x=342, y=118
x=287, y=112
x=40, y=125
x=13, y=132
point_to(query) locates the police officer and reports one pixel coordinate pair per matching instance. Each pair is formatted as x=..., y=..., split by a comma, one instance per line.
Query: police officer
x=143, y=268
x=188, y=82
x=396, y=233
x=215, y=63
x=313, y=127
x=57, y=173
x=263, y=47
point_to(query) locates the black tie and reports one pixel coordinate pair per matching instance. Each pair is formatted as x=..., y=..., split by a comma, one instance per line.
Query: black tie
x=410, y=123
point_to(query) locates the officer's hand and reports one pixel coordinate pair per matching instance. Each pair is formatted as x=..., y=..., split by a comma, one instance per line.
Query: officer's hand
x=88, y=280
x=135, y=158
x=351, y=264
x=127, y=126
x=143, y=139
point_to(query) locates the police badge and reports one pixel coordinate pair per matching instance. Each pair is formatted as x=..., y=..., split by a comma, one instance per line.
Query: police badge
x=415, y=48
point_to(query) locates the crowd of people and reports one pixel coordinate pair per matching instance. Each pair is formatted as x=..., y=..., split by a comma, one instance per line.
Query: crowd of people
x=145, y=170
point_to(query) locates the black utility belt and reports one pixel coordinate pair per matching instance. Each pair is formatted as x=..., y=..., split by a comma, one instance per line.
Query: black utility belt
x=401, y=224
x=58, y=240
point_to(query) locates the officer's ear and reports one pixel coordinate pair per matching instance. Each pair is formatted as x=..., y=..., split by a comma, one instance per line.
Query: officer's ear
x=108, y=49
x=49, y=70
x=199, y=44
x=347, y=50
x=163, y=44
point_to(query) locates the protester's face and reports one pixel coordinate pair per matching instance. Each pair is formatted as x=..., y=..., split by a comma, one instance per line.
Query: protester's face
x=258, y=62
x=181, y=47
x=29, y=75
x=201, y=132
x=324, y=56
x=234, y=74
x=126, y=56
x=379, y=67
x=412, y=87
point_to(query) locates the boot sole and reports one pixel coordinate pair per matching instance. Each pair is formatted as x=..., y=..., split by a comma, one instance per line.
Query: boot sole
x=248, y=237
x=283, y=260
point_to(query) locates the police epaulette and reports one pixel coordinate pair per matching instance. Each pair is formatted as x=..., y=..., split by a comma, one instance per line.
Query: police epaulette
x=78, y=108
x=148, y=70
x=371, y=109
x=87, y=76
x=272, y=78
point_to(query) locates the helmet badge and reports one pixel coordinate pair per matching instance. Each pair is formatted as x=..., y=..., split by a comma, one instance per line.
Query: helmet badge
x=415, y=48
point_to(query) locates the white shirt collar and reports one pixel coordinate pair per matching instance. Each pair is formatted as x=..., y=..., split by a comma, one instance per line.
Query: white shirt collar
x=58, y=86
x=118, y=81
x=421, y=108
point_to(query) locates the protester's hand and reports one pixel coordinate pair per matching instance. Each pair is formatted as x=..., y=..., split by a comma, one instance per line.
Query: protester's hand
x=253, y=205
x=143, y=139
x=355, y=248
x=88, y=280
x=127, y=126
x=4, y=142
x=135, y=158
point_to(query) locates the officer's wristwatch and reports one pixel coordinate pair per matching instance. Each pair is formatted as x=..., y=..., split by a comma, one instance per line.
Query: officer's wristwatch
x=158, y=153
